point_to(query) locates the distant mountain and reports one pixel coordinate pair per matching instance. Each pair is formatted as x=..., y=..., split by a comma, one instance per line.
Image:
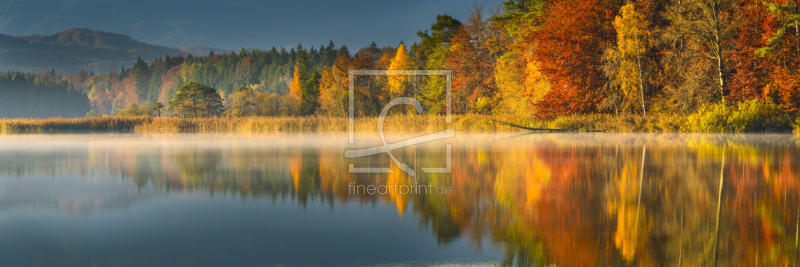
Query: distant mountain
x=235, y=23
x=203, y=50
x=75, y=49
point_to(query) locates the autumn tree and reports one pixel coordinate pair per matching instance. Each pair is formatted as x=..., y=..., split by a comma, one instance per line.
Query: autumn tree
x=629, y=63
x=782, y=51
x=788, y=17
x=749, y=71
x=520, y=83
x=572, y=41
x=398, y=85
x=299, y=76
x=704, y=28
x=334, y=84
x=472, y=61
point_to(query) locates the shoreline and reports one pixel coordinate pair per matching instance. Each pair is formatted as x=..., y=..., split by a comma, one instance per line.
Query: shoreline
x=410, y=123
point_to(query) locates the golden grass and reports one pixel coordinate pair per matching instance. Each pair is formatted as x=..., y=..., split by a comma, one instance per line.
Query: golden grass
x=50, y=125
x=402, y=123
x=145, y=124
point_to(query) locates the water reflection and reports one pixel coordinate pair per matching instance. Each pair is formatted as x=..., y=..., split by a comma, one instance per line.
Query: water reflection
x=549, y=199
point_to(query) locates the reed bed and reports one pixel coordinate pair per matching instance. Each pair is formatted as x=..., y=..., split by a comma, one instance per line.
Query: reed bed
x=398, y=123
x=52, y=125
x=146, y=124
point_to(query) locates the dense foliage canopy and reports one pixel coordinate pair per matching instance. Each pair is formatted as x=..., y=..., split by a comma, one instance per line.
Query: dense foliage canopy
x=541, y=58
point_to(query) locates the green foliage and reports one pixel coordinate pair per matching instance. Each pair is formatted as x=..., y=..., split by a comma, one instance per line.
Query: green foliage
x=520, y=9
x=135, y=110
x=796, y=126
x=311, y=92
x=342, y=52
x=94, y=114
x=159, y=69
x=196, y=100
x=434, y=88
x=786, y=15
x=749, y=116
x=759, y=116
x=158, y=107
x=709, y=118
x=25, y=95
x=142, y=77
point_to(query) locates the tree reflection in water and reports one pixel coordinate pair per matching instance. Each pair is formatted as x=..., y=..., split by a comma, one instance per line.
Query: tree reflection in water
x=560, y=199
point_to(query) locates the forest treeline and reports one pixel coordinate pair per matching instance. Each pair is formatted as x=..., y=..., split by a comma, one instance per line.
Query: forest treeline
x=28, y=95
x=543, y=58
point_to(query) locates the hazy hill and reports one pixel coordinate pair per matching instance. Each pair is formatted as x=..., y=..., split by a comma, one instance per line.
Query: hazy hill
x=76, y=49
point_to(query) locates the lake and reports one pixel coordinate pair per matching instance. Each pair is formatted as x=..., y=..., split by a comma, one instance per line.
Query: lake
x=296, y=200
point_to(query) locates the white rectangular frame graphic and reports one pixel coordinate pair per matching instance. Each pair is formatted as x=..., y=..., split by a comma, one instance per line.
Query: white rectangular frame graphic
x=351, y=113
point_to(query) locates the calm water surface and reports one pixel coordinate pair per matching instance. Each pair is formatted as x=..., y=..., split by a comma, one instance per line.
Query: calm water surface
x=278, y=199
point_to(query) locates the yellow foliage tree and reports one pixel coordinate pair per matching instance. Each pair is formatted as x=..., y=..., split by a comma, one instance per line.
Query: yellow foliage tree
x=519, y=84
x=629, y=59
x=334, y=85
x=399, y=84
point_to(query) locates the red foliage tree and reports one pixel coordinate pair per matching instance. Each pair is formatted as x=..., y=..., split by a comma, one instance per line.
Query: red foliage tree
x=780, y=50
x=749, y=71
x=573, y=38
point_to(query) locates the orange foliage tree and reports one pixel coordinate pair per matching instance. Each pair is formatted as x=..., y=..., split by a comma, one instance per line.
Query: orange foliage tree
x=751, y=72
x=472, y=61
x=334, y=84
x=571, y=42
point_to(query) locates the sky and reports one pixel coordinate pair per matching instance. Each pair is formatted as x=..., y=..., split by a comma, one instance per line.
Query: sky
x=237, y=23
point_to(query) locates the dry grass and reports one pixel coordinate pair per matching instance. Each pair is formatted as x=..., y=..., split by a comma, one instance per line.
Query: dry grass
x=401, y=123
x=297, y=124
x=101, y=124
x=476, y=123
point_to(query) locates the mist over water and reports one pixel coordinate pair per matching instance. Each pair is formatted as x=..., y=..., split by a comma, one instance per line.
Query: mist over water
x=288, y=199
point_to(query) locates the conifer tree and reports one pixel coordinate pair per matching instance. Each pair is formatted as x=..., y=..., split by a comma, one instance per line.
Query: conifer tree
x=398, y=85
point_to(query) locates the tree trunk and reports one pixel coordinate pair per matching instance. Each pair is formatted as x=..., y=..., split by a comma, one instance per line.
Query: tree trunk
x=194, y=105
x=639, y=200
x=719, y=208
x=796, y=28
x=718, y=46
x=641, y=79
